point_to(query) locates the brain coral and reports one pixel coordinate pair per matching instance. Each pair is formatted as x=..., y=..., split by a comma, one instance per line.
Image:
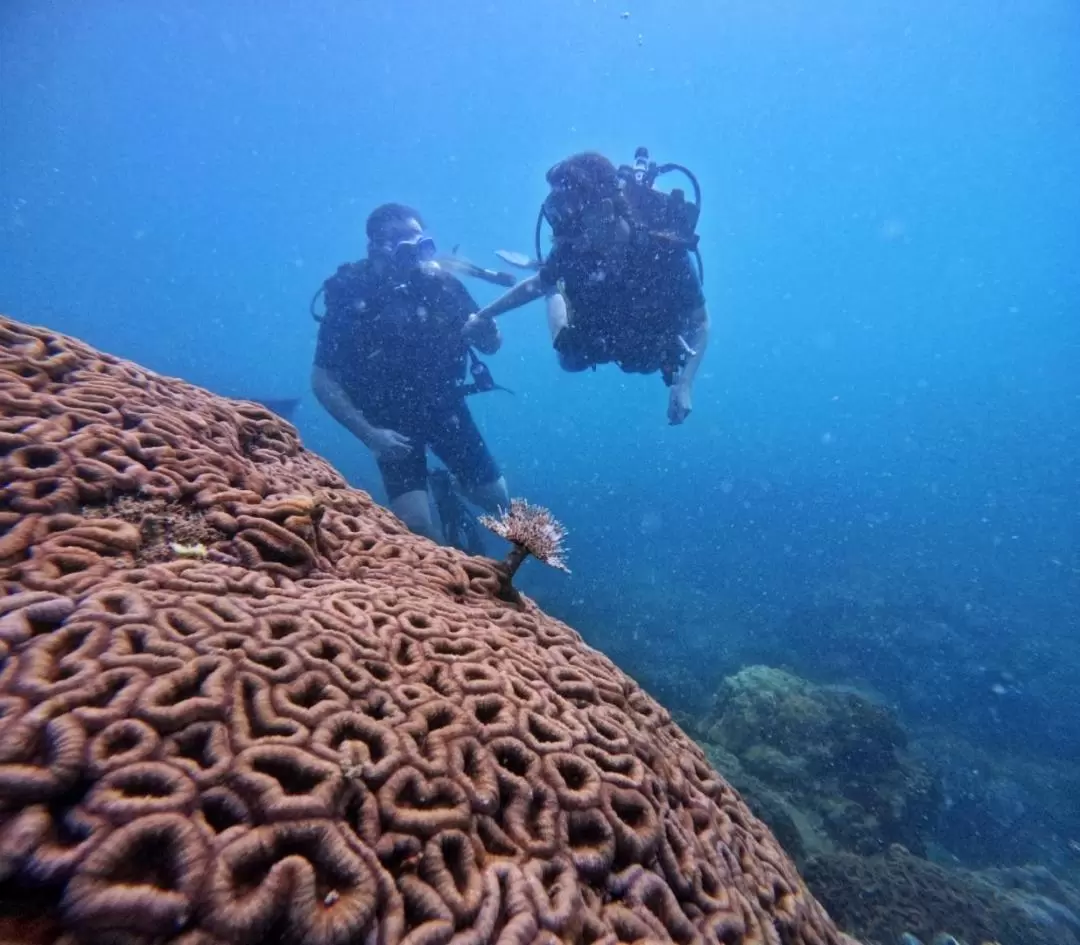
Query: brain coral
x=240, y=703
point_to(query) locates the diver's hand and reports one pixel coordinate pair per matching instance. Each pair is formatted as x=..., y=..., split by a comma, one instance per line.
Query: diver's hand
x=477, y=325
x=680, y=404
x=389, y=445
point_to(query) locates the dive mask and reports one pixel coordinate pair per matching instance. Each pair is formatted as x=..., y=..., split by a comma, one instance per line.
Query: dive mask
x=411, y=252
x=570, y=212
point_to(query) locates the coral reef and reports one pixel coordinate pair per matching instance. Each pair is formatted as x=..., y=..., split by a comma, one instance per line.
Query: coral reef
x=833, y=753
x=882, y=897
x=980, y=675
x=1000, y=809
x=317, y=728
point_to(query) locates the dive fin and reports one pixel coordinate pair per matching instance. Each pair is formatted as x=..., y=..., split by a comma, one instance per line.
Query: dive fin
x=517, y=260
x=466, y=268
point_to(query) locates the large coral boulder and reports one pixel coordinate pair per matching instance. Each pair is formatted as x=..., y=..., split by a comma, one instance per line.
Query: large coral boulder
x=834, y=753
x=239, y=703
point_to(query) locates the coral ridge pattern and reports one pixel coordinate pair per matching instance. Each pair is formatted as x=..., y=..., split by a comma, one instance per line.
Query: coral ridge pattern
x=240, y=703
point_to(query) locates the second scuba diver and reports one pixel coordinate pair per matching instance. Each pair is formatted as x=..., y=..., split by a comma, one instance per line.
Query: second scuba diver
x=619, y=281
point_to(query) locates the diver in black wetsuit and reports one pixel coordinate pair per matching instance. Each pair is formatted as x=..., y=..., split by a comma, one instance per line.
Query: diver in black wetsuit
x=393, y=354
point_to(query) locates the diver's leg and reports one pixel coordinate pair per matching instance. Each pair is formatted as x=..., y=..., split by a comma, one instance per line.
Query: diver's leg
x=565, y=338
x=414, y=509
x=492, y=496
x=569, y=349
x=557, y=314
x=406, y=485
x=461, y=446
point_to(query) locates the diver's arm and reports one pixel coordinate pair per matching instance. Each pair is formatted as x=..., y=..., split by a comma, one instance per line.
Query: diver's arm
x=697, y=339
x=522, y=294
x=332, y=396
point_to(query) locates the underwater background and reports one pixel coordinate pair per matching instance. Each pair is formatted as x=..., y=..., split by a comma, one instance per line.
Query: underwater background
x=867, y=536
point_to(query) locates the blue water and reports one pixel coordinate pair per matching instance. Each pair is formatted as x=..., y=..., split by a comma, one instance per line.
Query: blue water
x=889, y=414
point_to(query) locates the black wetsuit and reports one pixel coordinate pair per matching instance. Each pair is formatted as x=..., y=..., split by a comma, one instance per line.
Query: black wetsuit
x=397, y=349
x=632, y=313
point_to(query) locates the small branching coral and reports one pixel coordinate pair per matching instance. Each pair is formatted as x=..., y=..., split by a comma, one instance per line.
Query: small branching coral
x=532, y=530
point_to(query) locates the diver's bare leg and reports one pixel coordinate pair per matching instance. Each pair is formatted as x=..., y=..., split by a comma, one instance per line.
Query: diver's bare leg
x=557, y=315
x=492, y=497
x=414, y=510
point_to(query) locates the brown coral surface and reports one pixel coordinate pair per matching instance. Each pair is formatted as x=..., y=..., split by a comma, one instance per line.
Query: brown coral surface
x=240, y=703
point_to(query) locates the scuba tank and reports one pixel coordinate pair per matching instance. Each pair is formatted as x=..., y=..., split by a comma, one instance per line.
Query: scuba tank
x=667, y=215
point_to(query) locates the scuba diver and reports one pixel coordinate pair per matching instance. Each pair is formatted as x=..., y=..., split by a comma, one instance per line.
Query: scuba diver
x=391, y=360
x=619, y=281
